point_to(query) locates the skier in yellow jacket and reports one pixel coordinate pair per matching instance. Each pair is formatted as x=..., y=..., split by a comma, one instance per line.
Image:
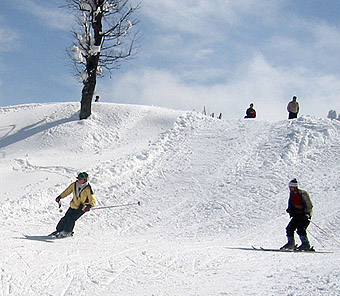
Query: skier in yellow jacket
x=82, y=201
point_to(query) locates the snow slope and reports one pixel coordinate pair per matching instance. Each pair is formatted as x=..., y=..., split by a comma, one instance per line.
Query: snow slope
x=209, y=189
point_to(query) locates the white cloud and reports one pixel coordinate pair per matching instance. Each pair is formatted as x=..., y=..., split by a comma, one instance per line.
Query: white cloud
x=226, y=54
x=311, y=45
x=327, y=36
x=8, y=38
x=211, y=20
x=201, y=37
x=51, y=15
x=269, y=88
x=203, y=17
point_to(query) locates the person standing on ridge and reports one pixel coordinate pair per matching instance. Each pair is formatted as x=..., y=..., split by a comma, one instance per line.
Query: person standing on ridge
x=300, y=210
x=293, y=108
x=250, y=112
x=82, y=201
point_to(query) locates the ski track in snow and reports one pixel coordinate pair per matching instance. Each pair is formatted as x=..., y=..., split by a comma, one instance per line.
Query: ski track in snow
x=208, y=189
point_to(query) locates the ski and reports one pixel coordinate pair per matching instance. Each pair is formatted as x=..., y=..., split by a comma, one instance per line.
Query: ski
x=312, y=250
x=56, y=234
x=47, y=238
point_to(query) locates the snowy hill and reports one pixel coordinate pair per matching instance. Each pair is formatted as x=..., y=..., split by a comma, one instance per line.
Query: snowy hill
x=209, y=189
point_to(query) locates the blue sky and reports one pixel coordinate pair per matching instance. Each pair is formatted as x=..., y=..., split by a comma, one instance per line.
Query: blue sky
x=222, y=54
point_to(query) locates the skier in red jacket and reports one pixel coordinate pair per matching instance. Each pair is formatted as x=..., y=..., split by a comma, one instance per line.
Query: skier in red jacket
x=300, y=210
x=250, y=112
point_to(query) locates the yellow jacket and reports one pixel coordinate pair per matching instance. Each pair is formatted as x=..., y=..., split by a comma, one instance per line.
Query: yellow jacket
x=86, y=197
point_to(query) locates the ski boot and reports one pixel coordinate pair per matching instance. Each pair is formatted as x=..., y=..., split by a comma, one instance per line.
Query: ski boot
x=290, y=245
x=64, y=234
x=305, y=246
x=54, y=233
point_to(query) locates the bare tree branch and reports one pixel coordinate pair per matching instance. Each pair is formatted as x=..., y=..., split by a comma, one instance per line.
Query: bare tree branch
x=105, y=37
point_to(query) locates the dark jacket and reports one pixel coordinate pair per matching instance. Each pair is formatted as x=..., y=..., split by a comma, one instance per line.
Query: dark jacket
x=307, y=205
x=251, y=113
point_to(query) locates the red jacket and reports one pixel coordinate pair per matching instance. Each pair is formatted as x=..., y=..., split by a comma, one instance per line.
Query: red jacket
x=300, y=206
x=251, y=113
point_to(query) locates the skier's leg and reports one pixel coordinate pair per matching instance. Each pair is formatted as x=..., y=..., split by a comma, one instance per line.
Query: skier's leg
x=303, y=223
x=64, y=220
x=76, y=214
x=290, y=229
x=292, y=115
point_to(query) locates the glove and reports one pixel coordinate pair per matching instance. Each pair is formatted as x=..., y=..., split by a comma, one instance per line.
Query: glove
x=308, y=216
x=58, y=199
x=87, y=208
x=290, y=213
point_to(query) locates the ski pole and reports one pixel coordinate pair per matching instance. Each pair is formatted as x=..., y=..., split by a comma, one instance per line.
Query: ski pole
x=324, y=231
x=318, y=240
x=117, y=206
x=59, y=204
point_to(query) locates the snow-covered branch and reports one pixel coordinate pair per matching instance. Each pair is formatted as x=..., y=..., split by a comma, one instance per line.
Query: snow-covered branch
x=106, y=30
x=105, y=37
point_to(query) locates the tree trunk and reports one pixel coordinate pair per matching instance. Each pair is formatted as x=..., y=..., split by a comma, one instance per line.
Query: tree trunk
x=91, y=66
x=89, y=87
x=86, y=97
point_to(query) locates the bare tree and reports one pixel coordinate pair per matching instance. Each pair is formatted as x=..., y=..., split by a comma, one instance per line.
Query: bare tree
x=104, y=38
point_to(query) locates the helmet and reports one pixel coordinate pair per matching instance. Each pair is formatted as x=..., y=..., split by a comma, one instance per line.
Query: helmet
x=83, y=176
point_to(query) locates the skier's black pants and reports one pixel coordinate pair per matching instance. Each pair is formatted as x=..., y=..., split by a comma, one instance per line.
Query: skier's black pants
x=299, y=223
x=292, y=115
x=67, y=222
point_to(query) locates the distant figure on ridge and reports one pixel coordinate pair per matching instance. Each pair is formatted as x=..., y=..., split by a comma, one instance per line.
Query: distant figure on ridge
x=250, y=112
x=300, y=210
x=97, y=99
x=293, y=108
x=82, y=201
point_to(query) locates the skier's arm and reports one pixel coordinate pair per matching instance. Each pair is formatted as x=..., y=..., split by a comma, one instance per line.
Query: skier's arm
x=90, y=199
x=67, y=191
x=307, y=203
x=290, y=208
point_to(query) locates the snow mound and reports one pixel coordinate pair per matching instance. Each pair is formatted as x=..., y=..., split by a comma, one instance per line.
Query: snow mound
x=209, y=189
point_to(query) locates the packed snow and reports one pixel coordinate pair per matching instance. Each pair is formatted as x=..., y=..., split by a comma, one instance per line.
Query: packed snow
x=209, y=190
